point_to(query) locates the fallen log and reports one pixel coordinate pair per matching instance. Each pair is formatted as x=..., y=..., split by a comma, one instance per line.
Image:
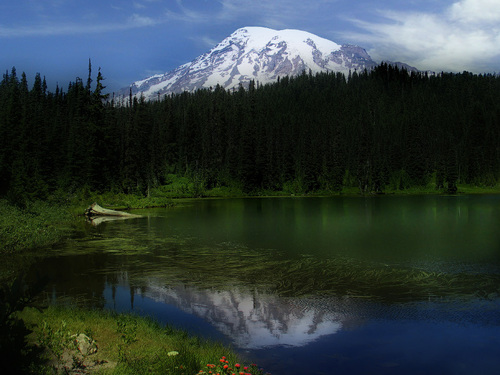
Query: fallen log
x=98, y=220
x=95, y=210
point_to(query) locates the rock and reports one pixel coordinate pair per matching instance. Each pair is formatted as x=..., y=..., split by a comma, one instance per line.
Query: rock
x=85, y=344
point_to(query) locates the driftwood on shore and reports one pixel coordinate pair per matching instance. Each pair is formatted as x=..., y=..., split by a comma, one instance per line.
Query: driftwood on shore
x=97, y=214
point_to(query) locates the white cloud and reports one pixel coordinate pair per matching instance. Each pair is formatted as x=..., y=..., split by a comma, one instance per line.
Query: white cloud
x=270, y=13
x=187, y=15
x=207, y=41
x=137, y=20
x=133, y=22
x=276, y=13
x=476, y=11
x=466, y=36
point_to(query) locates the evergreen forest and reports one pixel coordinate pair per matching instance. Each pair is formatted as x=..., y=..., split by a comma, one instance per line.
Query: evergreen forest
x=377, y=130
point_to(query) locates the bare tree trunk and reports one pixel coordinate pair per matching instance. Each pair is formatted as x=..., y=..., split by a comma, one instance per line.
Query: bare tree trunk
x=96, y=210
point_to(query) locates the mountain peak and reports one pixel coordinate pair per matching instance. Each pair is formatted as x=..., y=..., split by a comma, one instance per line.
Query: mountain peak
x=257, y=37
x=256, y=53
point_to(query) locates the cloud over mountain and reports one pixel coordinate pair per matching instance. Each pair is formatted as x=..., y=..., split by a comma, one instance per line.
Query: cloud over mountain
x=462, y=36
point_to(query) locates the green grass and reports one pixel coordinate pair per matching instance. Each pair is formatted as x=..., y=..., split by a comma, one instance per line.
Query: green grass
x=38, y=224
x=469, y=189
x=126, y=344
x=431, y=190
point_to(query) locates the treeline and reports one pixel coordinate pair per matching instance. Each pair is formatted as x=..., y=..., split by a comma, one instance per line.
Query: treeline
x=377, y=130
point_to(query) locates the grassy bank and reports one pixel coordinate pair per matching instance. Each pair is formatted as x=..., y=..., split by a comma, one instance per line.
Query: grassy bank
x=37, y=224
x=68, y=340
x=44, y=223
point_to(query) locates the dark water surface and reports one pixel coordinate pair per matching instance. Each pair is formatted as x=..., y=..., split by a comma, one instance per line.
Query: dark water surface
x=379, y=285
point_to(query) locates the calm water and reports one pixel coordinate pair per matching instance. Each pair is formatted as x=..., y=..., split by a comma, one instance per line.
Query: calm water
x=379, y=285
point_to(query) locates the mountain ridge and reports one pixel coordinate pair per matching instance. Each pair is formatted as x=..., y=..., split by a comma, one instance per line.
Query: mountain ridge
x=259, y=54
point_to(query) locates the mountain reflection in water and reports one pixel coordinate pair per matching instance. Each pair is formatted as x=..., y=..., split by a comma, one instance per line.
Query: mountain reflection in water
x=251, y=320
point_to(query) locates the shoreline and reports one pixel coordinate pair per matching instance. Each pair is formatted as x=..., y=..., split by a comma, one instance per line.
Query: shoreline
x=45, y=223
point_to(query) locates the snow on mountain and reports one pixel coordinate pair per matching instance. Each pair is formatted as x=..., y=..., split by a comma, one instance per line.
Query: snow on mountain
x=259, y=54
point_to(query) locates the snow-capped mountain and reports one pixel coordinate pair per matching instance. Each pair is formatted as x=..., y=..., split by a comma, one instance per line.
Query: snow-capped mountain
x=259, y=54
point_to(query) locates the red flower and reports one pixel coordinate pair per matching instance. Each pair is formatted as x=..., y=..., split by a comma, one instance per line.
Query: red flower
x=226, y=366
x=237, y=365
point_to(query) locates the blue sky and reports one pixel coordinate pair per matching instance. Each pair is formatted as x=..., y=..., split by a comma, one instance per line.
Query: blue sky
x=133, y=39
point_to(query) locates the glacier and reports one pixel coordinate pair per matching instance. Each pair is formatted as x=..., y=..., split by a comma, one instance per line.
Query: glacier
x=255, y=53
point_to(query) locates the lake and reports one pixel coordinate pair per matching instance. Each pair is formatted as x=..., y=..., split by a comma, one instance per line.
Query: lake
x=353, y=285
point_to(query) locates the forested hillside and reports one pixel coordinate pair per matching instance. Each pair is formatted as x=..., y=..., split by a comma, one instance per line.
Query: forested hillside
x=374, y=130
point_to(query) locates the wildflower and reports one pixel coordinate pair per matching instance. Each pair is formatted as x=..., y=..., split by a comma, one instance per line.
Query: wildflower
x=237, y=365
x=226, y=366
